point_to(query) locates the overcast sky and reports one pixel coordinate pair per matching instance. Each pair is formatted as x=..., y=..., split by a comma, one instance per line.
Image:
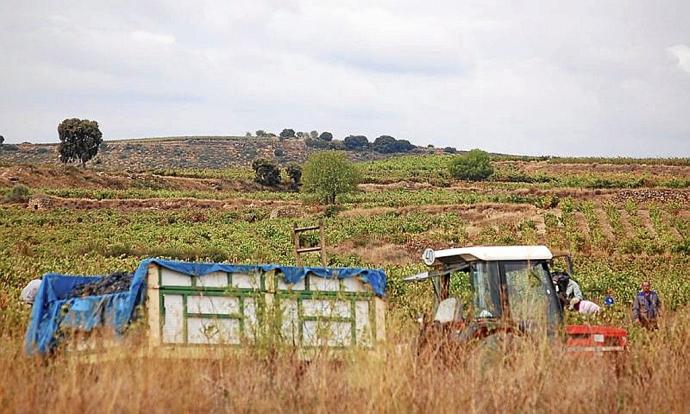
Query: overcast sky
x=574, y=78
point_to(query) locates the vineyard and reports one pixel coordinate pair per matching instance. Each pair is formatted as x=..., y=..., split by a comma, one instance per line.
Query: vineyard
x=623, y=220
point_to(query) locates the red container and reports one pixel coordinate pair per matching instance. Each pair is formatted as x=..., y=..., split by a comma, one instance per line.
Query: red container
x=587, y=338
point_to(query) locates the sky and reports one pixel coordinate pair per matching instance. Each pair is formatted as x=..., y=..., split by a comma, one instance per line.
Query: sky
x=605, y=78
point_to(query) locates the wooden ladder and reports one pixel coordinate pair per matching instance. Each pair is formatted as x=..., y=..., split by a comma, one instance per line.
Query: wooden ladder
x=299, y=250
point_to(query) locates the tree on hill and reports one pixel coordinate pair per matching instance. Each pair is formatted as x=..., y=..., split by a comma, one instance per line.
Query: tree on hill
x=356, y=142
x=326, y=136
x=79, y=140
x=317, y=143
x=314, y=134
x=326, y=175
x=473, y=166
x=386, y=144
x=287, y=133
x=2, y=139
x=383, y=144
x=266, y=172
x=450, y=150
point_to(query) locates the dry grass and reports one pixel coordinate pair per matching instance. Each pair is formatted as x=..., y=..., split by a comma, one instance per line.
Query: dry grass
x=532, y=377
x=376, y=252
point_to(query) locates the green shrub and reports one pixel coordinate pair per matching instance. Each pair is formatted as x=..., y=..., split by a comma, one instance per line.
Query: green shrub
x=473, y=166
x=548, y=201
x=18, y=194
x=266, y=172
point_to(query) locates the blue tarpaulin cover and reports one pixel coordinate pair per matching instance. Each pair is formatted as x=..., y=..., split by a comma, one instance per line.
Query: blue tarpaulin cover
x=53, y=309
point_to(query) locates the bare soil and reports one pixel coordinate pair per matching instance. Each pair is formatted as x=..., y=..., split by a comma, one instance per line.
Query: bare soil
x=604, y=224
x=646, y=221
x=549, y=168
x=58, y=176
x=295, y=209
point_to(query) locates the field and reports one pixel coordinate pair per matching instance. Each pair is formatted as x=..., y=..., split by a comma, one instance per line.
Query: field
x=623, y=220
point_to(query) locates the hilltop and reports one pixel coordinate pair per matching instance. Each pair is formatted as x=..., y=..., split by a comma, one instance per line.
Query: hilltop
x=142, y=154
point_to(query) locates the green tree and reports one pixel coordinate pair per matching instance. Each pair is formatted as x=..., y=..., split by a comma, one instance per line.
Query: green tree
x=79, y=140
x=327, y=175
x=326, y=136
x=356, y=142
x=294, y=171
x=2, y=139
x=287, y=133
x=473, y=166
x=386, y=144
x=266, y=172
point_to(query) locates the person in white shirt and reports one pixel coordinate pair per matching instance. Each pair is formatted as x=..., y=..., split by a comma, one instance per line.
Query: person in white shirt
x=29, y=292
x=584, y=306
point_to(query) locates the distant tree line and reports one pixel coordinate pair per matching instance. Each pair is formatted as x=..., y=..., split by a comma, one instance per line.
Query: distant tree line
x=385, y=144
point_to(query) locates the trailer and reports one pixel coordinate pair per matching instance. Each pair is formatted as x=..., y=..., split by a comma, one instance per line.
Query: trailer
x=189, y=307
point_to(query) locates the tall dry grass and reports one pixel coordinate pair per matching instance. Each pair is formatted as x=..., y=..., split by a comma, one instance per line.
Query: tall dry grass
x=533, y=376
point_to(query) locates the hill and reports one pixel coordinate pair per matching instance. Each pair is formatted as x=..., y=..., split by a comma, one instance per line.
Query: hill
x=181, y=152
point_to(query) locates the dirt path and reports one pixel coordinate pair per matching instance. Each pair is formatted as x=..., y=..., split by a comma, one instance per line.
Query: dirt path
x=581, y=224
x=669, y=225
x=51, y=202
x=646, y=221
x=541, y=227
x=476, y=211
x=628, y=229
x=604, y=224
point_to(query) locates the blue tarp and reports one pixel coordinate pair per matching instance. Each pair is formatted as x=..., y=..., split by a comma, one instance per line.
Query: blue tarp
x=53, y=310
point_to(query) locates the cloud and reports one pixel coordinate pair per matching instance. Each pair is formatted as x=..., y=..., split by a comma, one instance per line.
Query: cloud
x=682, y=54
x=576, y=79
x=144, y=36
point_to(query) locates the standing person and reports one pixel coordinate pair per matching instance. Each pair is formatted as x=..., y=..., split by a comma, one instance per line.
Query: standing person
x=573, y=290
x=646, y=307
x=566, y=288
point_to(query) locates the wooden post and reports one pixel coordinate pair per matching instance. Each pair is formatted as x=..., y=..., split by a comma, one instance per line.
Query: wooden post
x=299, y=250
x=153, y=305
x=295, y=239
x=323, y=244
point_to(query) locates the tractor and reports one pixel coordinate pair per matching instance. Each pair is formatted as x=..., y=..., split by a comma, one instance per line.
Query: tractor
x=512, y=295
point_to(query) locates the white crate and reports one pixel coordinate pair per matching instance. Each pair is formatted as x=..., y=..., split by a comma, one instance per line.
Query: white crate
x=215, y=279
x=232, y=309
x=213, y=331
x=219, y=305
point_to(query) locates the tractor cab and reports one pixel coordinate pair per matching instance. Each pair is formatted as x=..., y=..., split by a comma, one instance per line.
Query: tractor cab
x=511, y=289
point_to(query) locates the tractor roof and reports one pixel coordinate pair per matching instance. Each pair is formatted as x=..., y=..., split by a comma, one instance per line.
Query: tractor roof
x=486, y=253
